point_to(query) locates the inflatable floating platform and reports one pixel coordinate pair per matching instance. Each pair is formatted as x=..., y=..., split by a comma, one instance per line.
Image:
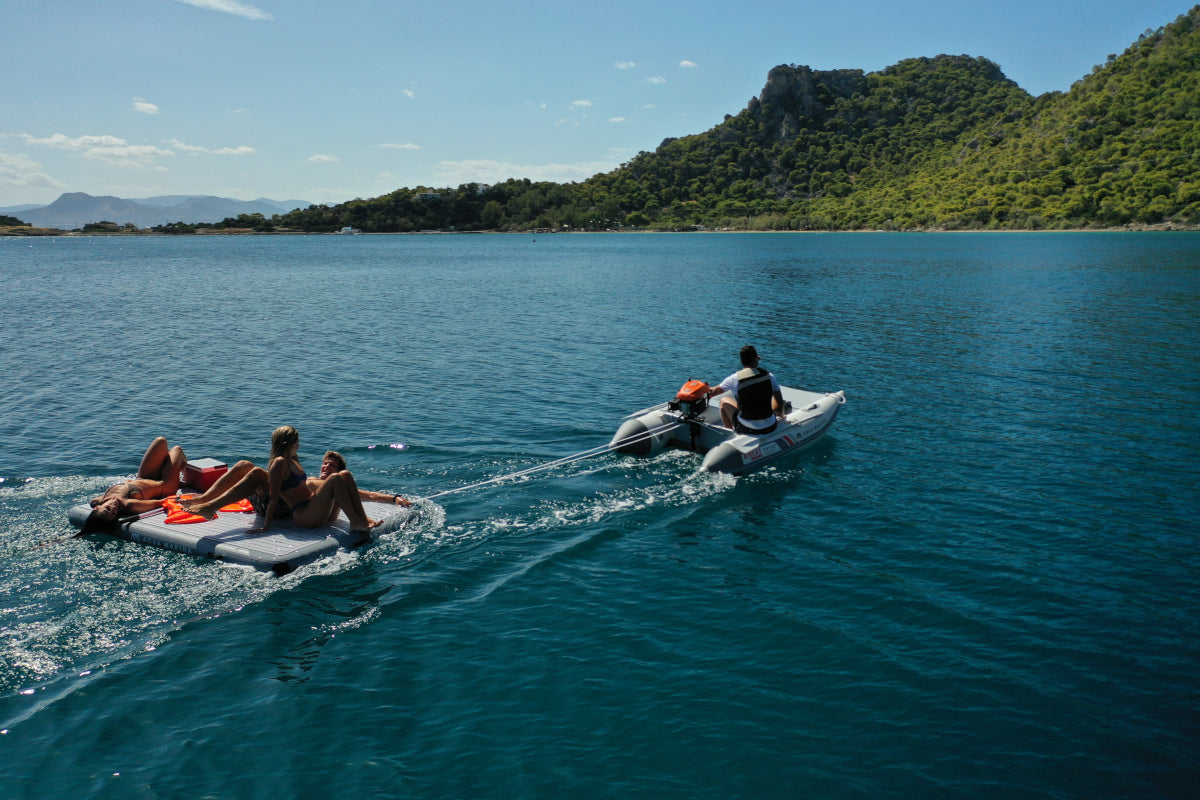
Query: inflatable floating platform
x=282, y=549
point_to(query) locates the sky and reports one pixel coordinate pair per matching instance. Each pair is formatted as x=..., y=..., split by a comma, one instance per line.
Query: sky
x=327, y=101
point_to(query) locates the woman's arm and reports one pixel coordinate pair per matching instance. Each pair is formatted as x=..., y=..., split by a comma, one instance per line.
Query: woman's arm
x=130, y=507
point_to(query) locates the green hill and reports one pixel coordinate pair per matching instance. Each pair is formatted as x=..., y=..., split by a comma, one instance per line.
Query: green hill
x=813, y=145
x=946, y=143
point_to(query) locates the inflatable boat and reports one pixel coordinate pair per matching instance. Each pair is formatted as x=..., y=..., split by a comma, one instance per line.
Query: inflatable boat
x=281, y=549
x=691, y=422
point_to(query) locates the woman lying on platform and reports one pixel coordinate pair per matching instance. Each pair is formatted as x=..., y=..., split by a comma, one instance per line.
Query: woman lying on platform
x=157, y=477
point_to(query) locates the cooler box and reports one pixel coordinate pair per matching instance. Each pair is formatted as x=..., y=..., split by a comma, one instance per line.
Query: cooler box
x=203, y=473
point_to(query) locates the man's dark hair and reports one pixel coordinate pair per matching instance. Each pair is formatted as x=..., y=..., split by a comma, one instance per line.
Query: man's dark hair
x=748, y=355
x=337, y=459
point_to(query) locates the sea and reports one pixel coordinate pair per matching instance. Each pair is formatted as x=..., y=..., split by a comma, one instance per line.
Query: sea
x=983, y=582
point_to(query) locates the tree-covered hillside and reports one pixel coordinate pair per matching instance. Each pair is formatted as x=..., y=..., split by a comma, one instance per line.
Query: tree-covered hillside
x=804, y=152
x=945, y=142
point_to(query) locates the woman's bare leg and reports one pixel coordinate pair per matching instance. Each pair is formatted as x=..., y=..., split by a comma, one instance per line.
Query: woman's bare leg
x=174, y=470
x=224, y=483
x=255, y=480
x=314, y=486
x=154, y=459
x=355, y=498
x=334, y=491
x=323, y=506
x=158, y=474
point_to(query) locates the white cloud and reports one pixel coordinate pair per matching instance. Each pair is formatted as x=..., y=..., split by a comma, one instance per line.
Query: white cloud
x=581, y=104
x=221, y=151
x=144, y=106
x=19, y=171
x=408, y=146
x=688, y=64
x=322, y=159
x=456, y=173
x=109, y=149
x=657, y=80
x=230, y=7
x=617, y=119
x=624, y=65
x=409, y=93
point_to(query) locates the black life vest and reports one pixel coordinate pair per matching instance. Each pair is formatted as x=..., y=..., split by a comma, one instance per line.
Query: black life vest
x=754, y=394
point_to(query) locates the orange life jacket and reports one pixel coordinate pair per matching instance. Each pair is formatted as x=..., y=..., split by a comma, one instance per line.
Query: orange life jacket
x=176, y=515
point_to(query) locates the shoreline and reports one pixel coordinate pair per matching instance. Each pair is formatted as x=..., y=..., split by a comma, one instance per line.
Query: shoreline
x=25, y=231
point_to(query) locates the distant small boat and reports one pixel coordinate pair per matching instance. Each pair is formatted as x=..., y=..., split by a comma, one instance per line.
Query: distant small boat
x=690, y=423
x=348, y=229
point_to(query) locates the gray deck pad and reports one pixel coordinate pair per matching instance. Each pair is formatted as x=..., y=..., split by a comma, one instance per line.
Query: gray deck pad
x=227, y=538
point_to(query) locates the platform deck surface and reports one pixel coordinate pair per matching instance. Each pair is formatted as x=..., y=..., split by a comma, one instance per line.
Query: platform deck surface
x=228, y=538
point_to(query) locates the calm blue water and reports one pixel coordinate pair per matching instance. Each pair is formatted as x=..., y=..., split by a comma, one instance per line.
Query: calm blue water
x=982, y=584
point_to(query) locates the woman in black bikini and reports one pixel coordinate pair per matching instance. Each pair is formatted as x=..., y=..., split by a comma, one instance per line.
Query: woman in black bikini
x=282, y=490
x=157, y=477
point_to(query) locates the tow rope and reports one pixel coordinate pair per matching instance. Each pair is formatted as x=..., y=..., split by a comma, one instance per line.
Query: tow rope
x=571, y=459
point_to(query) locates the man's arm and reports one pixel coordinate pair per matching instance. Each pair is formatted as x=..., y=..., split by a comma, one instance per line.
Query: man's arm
x=382, y=497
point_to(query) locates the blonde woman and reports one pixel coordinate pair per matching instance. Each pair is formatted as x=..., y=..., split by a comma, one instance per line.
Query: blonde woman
x=282, y=490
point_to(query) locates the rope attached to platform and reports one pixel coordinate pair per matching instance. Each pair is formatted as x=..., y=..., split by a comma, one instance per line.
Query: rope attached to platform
x=595, y=451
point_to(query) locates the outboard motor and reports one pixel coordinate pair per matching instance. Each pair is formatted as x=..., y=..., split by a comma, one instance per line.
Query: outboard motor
x=691, y=400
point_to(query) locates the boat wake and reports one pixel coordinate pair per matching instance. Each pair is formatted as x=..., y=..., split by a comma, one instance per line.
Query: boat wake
x=74, y=606
x=504, y=546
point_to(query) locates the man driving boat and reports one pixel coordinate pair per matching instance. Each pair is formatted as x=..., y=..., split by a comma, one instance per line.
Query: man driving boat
x=753, y=401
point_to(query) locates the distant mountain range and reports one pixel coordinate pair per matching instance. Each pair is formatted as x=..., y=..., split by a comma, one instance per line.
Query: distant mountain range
x=76, y=209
